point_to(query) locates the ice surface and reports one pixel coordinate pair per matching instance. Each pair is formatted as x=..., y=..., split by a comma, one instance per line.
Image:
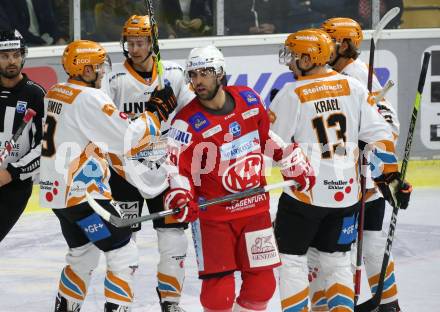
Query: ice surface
x=32, y=256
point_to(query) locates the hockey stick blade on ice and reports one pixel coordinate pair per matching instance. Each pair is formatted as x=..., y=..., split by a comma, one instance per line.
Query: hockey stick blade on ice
x=376, y=34
x=372, y=305
x=120, y=222
x=30, y=113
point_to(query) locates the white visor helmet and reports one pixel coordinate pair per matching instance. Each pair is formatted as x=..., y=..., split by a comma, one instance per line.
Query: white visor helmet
x=205, y=57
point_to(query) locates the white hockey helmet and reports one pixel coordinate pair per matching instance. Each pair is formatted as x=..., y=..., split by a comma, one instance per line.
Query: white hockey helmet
x=205, y=57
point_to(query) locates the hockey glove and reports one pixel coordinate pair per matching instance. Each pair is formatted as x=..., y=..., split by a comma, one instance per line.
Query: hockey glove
x=394, y=190
x=162, y=102
x=181, y=198
x=385, y=112
x=297, y=167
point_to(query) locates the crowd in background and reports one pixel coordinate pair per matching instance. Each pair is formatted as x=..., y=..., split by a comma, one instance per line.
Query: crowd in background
x=47, y=22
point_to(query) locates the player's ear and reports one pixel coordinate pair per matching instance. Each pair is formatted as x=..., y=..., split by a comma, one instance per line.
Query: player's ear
x=306, y=59
x=87, y=70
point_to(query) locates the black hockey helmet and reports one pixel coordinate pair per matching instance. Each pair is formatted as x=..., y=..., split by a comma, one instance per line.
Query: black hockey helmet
x=11, y=40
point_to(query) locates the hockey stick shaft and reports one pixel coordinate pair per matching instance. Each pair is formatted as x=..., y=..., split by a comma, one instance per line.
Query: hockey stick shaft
x=120, y=222
x=384, y=91
x=155, y=43
x=374, y=302
x=360, y=236
x=30, y=113
x=376, y=34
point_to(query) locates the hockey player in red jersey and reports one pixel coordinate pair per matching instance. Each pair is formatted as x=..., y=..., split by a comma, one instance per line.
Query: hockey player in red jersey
x=347, y=35
x=327, y=113
x=131, y=85
x=82, y=124
x=217, y=144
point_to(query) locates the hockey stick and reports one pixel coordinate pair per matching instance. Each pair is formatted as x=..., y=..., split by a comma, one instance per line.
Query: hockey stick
x=372, y=305
x=9, y=145
x=384, y=91
x=120, y=222
x=155, y=43
x=376, y=34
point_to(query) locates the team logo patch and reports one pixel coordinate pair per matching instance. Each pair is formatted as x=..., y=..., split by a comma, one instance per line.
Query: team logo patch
x=108, y=109
x=21, y=107
x=198, y=121
x=241, y=146
x=235, y=129
x=243, y=174
x=348, y=232
x=94, y=228
x=212, y=131
x=130, y=210
x=250, y=97
x=261, y=248
x=180, y=136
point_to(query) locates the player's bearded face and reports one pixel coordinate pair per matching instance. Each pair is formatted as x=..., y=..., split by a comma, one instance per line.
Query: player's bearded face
x=138, y=48
x=293, y=66
x=10, y=63
x=204, y=81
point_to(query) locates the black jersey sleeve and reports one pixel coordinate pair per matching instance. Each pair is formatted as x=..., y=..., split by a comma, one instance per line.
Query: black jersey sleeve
x=29, y=164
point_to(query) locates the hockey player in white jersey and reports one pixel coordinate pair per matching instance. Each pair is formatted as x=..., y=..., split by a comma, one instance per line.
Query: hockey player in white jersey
x=347, y=35
x=326, y=113
x=131, y=85
x=82, y=124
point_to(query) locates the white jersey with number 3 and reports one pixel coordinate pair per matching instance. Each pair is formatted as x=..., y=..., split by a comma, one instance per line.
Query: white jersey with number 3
x=327, y=115
x=82, y=124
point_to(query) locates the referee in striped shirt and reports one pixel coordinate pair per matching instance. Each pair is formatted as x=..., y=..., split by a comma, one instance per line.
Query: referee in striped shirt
x=17, y=94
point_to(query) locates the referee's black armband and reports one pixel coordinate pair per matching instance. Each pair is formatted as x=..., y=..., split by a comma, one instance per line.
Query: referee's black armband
x=24, y=172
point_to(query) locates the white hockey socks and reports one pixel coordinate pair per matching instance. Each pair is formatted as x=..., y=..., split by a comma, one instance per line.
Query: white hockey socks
x=118, y=285
x=373, y=255
x=317, y=288
x=172, y=244
x=338, y=280
x=75, y=277
x=294, y=284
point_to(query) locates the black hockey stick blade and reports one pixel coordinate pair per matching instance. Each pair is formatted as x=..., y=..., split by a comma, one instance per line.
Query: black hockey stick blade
x=372, y=305
x=121, y=222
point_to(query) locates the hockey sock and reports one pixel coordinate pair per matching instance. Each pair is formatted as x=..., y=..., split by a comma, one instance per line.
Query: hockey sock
x=317, y=289
x=121, y=266
x=218, y=293
x=374, y=249
x=72, y=290
x=294, y=284
x=172, y=244
x=338, y=278
x=256, y=290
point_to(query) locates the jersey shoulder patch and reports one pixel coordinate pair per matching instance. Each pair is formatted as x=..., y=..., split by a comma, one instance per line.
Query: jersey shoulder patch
x=198, y=121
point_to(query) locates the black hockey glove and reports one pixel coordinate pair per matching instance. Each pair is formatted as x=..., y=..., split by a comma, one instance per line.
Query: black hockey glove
x=162, y=103
x=385, y=112
x=394, y=190
x=273, y=93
